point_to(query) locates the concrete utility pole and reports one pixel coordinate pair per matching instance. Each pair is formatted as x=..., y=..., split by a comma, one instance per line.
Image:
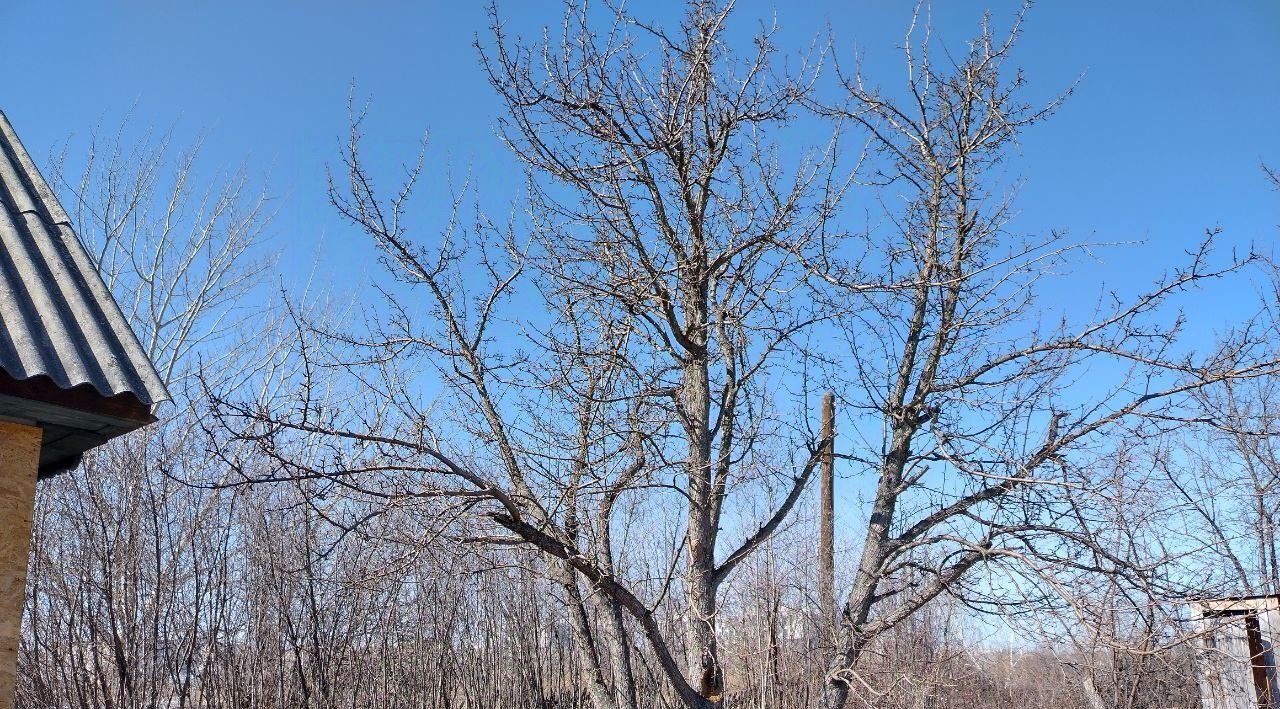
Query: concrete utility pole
x=826, y=515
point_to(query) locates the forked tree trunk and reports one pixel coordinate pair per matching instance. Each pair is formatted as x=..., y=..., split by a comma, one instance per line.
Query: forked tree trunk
x=851, y=638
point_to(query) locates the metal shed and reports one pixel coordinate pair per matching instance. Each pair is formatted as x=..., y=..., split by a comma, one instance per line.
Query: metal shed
x=1237, y=652
x=72, y=373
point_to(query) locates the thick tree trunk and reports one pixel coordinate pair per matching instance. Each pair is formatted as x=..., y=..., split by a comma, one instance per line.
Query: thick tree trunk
x=701, y=659
x=703, y=655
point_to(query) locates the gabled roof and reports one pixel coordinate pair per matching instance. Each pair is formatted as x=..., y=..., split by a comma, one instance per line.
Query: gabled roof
x=60, y=329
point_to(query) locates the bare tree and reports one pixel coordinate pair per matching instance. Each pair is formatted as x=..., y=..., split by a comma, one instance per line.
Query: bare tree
x=667, y=249
x=980, y=414
x=561, y=460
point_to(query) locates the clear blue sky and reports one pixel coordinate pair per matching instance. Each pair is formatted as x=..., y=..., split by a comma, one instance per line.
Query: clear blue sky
x=1179, y=103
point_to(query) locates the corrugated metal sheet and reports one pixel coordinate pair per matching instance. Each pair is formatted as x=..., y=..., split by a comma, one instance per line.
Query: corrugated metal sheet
x=57, y=317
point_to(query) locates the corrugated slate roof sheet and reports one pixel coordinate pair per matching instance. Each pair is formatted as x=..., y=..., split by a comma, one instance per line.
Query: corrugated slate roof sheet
x=57, y=317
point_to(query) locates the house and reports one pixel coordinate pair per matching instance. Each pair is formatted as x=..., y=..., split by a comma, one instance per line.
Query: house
x=72, y=373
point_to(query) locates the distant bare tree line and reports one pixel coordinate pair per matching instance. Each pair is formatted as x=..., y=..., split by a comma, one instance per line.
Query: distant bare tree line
x=567, y=460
